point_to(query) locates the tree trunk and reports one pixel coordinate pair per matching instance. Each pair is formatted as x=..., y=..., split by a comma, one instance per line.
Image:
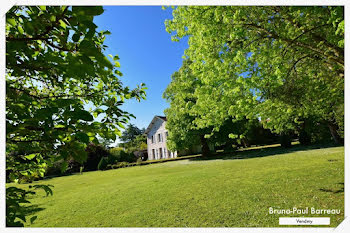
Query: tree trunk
x=286, y=141
x=304, y=137
x=205, y=147
x=333, y=128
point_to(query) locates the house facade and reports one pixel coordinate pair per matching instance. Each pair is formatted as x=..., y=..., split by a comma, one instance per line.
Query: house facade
x=156, y=140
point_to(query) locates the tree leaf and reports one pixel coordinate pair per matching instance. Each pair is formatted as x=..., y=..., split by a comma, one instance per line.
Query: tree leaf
x=30, y=157
x=20, y=29
x=83, y=137
x=11, y=21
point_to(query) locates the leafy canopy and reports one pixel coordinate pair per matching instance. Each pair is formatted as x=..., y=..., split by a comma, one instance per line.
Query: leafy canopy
x=131, y=132
x=280, y=63
x=58, y=80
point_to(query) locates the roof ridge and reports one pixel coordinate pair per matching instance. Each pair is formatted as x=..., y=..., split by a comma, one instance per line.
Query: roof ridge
x=152, y=122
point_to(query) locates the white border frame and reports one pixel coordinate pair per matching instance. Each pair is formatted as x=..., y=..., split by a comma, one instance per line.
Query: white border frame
x=5, y=5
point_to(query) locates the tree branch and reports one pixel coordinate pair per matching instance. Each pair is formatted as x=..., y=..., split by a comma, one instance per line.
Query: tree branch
x=40, y=97
x=41, y=36
x=295, y=63
x=297, y=43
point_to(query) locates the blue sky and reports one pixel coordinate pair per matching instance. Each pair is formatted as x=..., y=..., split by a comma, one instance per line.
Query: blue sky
x=146, y=53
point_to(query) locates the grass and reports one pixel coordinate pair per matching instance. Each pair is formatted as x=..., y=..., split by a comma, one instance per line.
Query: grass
x=233, y=190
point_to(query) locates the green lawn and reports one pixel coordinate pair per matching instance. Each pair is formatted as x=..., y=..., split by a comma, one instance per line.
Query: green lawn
x=231, y=191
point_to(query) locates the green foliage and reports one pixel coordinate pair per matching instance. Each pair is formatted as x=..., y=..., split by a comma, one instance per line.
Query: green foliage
x=182, y=115
x=187, y=121
x=139, y=161
x=102, y=165
x=121, y=155
x=136, y=144
x=243, y=132
x=95, y=153
x=120, y=165
x=116, y=150
x=24, y=167
x=286, y=140
x=133, y=139
x=131, y=132
x=282, y=64
x=55, y=65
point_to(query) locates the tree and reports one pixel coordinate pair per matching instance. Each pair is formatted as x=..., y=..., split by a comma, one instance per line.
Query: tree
x=131, y=132
x=185, y=111
x=55, y=68
x=184, y=132
x=137, y=144
x=280, y=63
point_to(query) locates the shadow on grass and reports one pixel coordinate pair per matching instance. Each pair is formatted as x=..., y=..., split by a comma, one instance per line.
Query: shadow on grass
x=341, y=190
x=32, y=209
x=255, y=152
x=60, y=175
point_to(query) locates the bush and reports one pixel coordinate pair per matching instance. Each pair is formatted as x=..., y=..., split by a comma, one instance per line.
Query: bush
x=304, y=138
x=139, y=161
x=320, y=133
x=122, y=156
x=115, y=150
x=120, y=164
x=102, y=165
x=111, y=159
x=95, y=154
x=55, y=169
x=286, y=140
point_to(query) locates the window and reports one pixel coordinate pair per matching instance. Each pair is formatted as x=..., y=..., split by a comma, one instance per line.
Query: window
x=160, y=153
x=152, y=138
x=166, y=134
x=159, y=137
x=153, y=153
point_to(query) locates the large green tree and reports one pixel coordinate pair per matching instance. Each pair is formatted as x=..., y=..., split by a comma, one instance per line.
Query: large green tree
x=186, y=110
x=139, y=143
x=182, y=113
x=131, y=132
x=57, y=80
x=280, y=63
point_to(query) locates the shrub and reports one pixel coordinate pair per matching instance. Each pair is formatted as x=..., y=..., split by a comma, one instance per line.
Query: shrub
x=73, y=166
x=111, y=159
x=95, y=154
x=304, y=138
x=102, y=165
x=55, y=169
x=122, y=156
x=320, y=133
x=121, y=164
x=286, y=140
x=115, y=150
x=139, y=161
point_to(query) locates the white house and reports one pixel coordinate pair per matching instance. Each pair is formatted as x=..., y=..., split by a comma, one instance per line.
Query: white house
x=156, y=139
